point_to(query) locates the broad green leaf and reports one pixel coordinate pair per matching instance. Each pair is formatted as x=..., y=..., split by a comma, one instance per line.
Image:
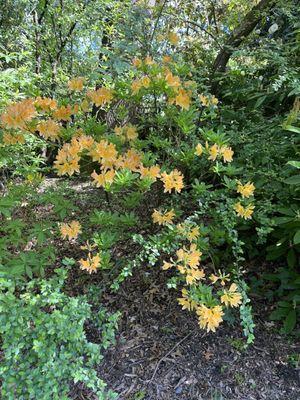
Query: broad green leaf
x=290, y=321
x=291, y=128
x=293, y=180
x=297, y=237
x=295, y=164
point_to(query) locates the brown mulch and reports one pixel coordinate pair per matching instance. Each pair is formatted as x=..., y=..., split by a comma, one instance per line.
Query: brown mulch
x=161, y=354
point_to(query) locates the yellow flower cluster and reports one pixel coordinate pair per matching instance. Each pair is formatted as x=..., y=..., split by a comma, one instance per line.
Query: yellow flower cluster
x=126, y=132
x=152, y=172
x=187, y=264
x=137, y=84
x=215, y=151
x=18, y=114
x=181, y=99
x=207, y=101
x=104, y=178
x=209, y=317
x=245, y=191
x=173, y=38
x=105, y=153
x=49, y=129
x=172, y=80
x=199, y=150
x=67, y=159
x=11, y=139
x=163, y=218
x=181, y=96
x=231, y=297
x=76, y=84
x=101, y=96
x=186, y=302
x=188, y=231
x=71, y=230
x=173, y=180
x=130, y=160
x=244, y=212
x=166, y=59
x=91, y=263
x=63, y=113
x=149, y=61
x=45, y=104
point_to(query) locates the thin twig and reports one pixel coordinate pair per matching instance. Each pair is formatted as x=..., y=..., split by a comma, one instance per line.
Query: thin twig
x=198, y=26
x=157, y=20
x=166, y=355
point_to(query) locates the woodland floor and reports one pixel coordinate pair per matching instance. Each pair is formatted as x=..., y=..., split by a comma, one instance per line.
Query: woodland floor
x=160, y=352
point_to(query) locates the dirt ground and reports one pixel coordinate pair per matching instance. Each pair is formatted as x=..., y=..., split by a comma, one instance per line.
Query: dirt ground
x=162, y=354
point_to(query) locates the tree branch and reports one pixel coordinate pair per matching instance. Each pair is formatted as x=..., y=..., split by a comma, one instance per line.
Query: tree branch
x=247, y=25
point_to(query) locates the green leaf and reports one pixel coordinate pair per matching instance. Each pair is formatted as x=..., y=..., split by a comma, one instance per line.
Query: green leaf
x=295, y=164
x=291, y=128
x=293, y=180
x=259, y=101
x=291, y=258
x=297, y=237
x=278, y=314
x=290, y=322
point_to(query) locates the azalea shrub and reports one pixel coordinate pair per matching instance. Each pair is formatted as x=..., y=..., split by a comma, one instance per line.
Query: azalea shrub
x=139, y=132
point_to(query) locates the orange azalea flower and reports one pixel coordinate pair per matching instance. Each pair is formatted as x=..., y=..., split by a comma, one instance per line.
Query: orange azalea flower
x=167, y=59
x=152, y=172
x=131, y=160
x=172, y=80
x=71, y=230
x=76, y=84
x=45, y=104
x=18, y=114
x=149, y=61
x=183, y=99
x=173, y=38
x=103, y=179
x=130, y=132
x=9, y=139
x=67, y=159
x=210, y=318
x=163, y=218
x=231, y=297
x=173, y=180
x=63, y=113
x=91, y=263
x=136, y=62
x=227, y=153
x=101, y=96
x=49, y=129
x=136, y=86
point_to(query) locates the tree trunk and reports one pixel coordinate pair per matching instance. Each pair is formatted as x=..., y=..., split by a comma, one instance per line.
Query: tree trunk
x=239, y=34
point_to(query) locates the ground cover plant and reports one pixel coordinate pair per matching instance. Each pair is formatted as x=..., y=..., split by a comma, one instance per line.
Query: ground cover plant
x=149, y=156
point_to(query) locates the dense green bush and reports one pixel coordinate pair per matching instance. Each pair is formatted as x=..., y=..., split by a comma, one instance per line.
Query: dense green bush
x=45, y=346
